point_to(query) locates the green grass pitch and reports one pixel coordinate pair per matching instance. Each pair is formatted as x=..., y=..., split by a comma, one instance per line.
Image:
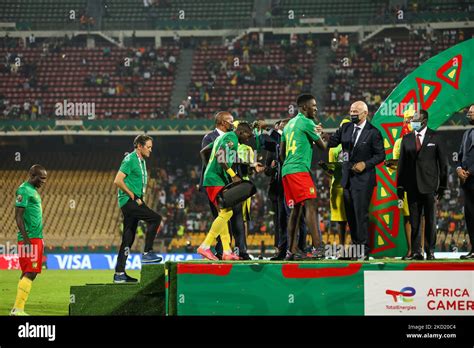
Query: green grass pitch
x=50, y=292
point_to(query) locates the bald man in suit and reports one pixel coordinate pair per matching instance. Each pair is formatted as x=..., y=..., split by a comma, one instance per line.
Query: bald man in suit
x=363, y=150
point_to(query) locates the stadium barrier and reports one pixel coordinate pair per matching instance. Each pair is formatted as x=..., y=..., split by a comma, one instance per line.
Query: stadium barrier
x=90, y=261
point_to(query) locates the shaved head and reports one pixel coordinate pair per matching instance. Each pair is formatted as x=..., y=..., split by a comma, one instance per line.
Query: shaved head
x=36, y=169
x=37, y=175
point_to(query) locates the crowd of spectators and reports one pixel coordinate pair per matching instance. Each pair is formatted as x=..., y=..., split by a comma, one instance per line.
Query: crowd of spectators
x=128, y=79
x=238, y=68
x=25, y=71
x=387, y=64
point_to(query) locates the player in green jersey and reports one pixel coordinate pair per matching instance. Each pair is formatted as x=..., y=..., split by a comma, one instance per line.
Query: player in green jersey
x=29, y=219
x=218, y=174
x=296, y=150
x=131, y=180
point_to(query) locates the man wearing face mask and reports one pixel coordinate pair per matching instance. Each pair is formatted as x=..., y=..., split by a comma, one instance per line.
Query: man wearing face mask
x=224, y=123
x=362, y=151
x=422, y=173
x=465, y=171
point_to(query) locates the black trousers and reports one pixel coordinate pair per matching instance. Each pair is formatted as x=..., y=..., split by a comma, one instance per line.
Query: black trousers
x=468, y=190
x=420, y=204
x=280, y=221
x=356, y=203
x=132, y=213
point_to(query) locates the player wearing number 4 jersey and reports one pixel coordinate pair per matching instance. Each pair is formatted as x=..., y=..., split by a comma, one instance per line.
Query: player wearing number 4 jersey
x=296, y=151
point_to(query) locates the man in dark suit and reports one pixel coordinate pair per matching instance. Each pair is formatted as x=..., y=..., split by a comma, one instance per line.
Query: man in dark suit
x=465, y=171
x=363, y=150
x=271, y=143
x=422, y=173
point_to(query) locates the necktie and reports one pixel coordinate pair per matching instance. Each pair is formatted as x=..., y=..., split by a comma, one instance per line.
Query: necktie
x=418, y=142
x=354, y=136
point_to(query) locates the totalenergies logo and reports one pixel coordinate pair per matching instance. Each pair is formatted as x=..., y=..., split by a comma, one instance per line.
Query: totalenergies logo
x=404, y=295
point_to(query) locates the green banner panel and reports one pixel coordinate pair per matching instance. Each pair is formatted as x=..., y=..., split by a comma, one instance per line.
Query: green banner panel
x=326, y=288
x=442, y=86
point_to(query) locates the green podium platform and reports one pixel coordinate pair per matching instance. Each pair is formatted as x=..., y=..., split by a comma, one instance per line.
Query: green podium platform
x=144, y=298
x=270, y=288
x=259, y=288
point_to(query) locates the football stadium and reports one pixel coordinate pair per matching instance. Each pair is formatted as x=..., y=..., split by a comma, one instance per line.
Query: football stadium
x=237, y=158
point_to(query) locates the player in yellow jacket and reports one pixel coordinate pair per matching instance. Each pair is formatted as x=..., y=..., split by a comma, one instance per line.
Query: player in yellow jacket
x=336, y=193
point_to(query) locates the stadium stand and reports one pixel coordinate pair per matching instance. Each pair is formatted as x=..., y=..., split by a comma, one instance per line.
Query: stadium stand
x=43, y=14
x=370, y=71
x=165, y=14
x=288, y=13
x=79, y=199
x=216, y=14
x=120, y=83
x=250, y=79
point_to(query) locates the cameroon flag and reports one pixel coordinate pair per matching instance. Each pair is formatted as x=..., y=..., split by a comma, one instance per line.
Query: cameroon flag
x=442, y=85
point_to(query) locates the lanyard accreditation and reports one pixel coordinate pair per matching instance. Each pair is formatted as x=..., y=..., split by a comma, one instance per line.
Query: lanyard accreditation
x=144, y=174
